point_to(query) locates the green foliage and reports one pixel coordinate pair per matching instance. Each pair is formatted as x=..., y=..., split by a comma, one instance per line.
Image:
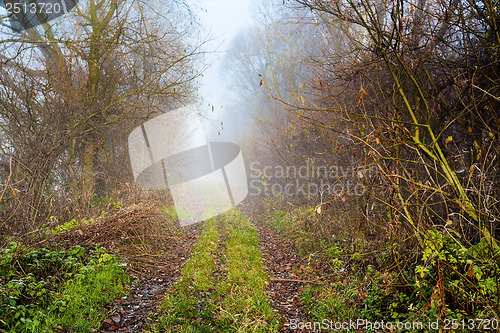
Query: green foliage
x=95, y=284
x=98, y=201
x=64, y=227
x=72, y=224
x=42, y=289
x=457, y=281
x=452, y=283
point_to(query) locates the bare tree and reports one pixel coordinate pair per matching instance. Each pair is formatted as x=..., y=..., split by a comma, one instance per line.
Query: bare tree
x=71, y=90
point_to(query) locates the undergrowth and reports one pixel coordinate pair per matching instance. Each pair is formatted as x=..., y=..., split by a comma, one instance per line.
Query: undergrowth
x=449, y=283
x=47, y=290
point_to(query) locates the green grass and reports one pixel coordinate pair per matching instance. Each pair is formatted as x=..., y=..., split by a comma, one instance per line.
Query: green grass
x=189, y=308
x=95, y=285
x=235, y=301
x=198, y=270
x=334, y=301
x=245, y=307
x=44, y=290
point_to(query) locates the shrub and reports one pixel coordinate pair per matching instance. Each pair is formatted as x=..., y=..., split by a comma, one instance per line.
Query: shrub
x=42, y=289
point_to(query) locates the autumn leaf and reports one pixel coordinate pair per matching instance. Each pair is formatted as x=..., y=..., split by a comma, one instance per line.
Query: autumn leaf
x=361, y=91
x=470, y=271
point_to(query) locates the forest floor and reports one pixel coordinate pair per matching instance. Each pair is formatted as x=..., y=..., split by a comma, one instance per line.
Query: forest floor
x=228, y=262
x=134, y=269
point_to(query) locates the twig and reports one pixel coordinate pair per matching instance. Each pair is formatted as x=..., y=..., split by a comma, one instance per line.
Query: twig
x=8, y=179
x=486, y=92
x=295, y=280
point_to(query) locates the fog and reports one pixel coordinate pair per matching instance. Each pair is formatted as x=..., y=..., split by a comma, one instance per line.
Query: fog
x=221, y=20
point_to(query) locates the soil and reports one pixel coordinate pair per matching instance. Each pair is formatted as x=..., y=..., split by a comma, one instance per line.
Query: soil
x=289, y=274
x=134, y=311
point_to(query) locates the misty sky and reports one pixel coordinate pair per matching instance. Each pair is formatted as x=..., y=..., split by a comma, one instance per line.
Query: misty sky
x=223, y=18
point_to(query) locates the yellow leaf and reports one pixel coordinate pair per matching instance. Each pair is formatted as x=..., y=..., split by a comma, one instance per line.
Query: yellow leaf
x=303, y=100
x=377, y=140
x=448, y=139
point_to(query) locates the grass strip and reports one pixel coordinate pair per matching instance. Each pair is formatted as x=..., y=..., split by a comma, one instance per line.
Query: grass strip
x=245, y=307
x=189, y=306
x=202, y=303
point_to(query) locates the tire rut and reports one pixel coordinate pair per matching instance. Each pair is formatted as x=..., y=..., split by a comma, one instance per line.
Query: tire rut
x=137, y=309
x=280, y=260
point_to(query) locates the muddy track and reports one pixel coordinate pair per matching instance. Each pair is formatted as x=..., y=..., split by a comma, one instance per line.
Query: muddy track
x=132, y=312
x=288, y=275
x=280, y=262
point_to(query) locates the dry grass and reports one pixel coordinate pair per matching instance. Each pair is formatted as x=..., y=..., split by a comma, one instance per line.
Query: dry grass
x=140, y=232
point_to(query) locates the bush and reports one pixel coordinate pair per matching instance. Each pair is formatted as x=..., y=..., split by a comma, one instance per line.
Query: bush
x=42, y=289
